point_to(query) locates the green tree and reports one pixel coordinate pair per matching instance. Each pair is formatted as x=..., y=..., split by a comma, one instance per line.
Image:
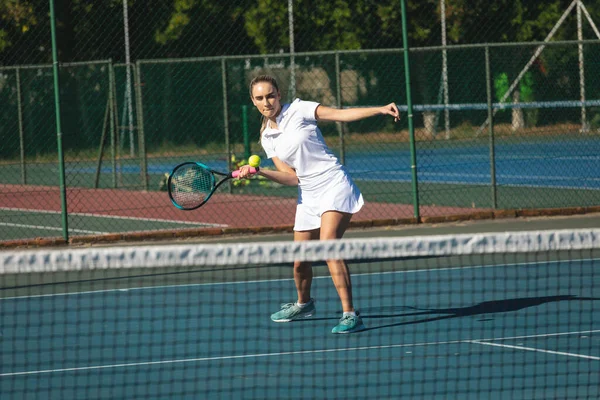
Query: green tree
x=21, y=27
x=481, y=21
x=324, y=25
x=16, y=18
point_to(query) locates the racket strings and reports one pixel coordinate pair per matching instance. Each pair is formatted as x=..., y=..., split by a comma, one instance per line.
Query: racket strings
x=191, y=185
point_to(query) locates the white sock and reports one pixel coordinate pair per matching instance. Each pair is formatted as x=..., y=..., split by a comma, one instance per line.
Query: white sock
x=301, y=305
x=353, y=313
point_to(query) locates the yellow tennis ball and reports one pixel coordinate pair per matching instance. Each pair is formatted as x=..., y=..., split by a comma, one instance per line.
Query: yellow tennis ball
x=254, y=161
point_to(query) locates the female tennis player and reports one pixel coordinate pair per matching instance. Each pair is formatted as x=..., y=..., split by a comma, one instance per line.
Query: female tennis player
x=327, y=196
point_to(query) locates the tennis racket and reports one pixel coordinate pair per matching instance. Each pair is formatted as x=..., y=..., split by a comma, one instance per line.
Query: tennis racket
x=191, y=184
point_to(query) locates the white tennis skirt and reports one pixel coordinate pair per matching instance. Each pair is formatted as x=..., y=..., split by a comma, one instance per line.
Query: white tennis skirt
x=340, y=194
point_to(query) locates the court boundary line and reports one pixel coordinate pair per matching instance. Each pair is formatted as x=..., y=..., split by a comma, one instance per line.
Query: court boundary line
x=436, y=180
x=560, y=353
x=285, y=279
x=49, y=228
x=263, y=355
x=202, y=224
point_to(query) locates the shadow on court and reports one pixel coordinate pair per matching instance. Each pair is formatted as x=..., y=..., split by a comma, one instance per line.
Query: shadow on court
x=483, y=308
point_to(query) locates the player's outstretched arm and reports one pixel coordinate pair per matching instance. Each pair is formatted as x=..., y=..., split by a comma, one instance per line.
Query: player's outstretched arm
x=324, y=113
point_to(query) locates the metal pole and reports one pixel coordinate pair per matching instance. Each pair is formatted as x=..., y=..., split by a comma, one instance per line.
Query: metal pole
x=140, y=122
x=128, y=96
x=21, y=129
x=113, y=109
x=445, y=67
x=411, y=129
x=117, y=147
x=292, y=92
x=581, y=68
x=534, y=57
x=247, y=147
x=105, y=123
x=590, y=20
x=61, y=159
x=338, y=93
x=226, y=116
x=488, y=87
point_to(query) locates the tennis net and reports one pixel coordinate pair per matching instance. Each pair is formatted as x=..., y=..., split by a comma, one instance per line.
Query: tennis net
x=496, y=315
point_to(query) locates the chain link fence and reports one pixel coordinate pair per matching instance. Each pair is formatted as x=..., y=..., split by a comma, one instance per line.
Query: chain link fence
x=506, y=115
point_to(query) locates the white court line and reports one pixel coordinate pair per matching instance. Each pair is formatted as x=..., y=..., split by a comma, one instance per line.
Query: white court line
x=560, y=353
x=106, y=216
x=537, y=178
x=540, y=335
x=49, y=228
x=263, y=355
x=282, y=279
x=541, y=181
x=476, y=183
x=219, y=358
x=486, y=342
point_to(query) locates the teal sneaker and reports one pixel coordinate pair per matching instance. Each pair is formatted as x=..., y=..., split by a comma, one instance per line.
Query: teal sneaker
x=291, y=311
x=349, y=324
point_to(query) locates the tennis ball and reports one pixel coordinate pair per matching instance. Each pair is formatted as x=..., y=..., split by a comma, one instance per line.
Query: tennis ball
x=254, y=161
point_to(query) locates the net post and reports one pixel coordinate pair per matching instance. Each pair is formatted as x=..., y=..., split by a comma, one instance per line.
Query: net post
x=411, y=128
x=61, y=158
x=488, y=87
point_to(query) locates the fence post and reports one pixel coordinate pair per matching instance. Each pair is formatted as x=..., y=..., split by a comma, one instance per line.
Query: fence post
x=61, y=158
x=411, y=128
x=247, y=147
x=112, y=126
x=584, y=124
x=226, y=116
x=140, y=122
x=488, y=87
x=105, y=122
x=338, y=94
x=21, y=130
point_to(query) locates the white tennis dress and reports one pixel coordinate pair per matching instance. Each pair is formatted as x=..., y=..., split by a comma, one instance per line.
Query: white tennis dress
x=323, y=183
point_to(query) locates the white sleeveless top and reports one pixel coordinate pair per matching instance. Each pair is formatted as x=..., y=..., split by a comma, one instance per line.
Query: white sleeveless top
x=300, y=144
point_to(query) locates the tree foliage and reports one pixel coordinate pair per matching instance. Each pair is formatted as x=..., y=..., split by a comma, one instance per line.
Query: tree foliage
x=93, y=29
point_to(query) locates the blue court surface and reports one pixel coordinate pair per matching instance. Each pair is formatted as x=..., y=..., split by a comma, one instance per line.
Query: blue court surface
x=550, y=162
x=510, y=330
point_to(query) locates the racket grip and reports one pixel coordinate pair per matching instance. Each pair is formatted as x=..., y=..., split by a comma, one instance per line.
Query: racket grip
x=236, y=173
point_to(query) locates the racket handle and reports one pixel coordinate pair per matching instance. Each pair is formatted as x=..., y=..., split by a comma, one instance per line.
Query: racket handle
x=236, y=173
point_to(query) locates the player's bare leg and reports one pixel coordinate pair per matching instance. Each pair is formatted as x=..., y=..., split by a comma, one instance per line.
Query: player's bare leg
x=333, y=226
x=303, y=273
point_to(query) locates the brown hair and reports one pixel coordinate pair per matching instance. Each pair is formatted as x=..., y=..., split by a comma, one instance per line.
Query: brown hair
x=260, y=79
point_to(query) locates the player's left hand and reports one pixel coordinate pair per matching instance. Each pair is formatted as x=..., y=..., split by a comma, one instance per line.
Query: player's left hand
x=391, y=109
